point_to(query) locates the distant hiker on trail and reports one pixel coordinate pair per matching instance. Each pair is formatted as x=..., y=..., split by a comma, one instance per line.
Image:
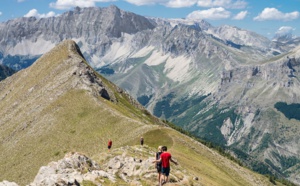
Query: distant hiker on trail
x=165, y=159
x=158, y=164
x=109, y=144
x=142, y=141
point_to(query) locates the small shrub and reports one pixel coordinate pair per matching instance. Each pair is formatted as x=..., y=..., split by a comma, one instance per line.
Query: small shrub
x=88, y=183
x=73, y=131
x=272, y=179
x=172, y=179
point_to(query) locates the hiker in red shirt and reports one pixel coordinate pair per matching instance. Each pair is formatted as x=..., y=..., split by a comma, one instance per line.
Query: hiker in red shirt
x=165, y=159
x=109, y=144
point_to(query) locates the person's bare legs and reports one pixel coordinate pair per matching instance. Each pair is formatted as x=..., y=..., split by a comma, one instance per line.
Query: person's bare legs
x=166, y=179
x=162, y=179
x=159, y=175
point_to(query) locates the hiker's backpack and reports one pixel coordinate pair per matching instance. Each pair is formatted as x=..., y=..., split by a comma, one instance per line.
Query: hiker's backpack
x=158, y=157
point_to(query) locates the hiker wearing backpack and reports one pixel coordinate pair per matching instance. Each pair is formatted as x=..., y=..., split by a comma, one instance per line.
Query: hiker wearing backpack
x=165, y=159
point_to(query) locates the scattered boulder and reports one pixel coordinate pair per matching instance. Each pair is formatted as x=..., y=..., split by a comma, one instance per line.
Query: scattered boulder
x=73, y=169
x=130, y=165
x=7, y=183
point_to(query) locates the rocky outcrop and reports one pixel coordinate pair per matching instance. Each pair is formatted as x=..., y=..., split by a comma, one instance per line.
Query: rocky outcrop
x=7, y=183
x=73, y=169
x=88, y=77
x=134, y=166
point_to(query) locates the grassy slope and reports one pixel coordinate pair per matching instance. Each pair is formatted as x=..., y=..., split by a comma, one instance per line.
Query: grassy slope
x=40, y=126
x=206, y=164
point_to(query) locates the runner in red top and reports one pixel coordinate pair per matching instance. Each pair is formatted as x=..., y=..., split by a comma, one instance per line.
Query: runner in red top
x=165, y=159
x=109, y=144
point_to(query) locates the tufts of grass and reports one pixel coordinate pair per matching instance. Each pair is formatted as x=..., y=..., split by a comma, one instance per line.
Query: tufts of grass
x=87, y=183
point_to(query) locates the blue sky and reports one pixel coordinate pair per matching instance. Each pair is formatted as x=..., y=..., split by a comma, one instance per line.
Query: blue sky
x=265, y=17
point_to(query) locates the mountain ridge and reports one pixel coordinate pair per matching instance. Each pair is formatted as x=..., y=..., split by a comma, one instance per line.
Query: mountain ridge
x=43, y=93
x=197, y=76
x=69, y=114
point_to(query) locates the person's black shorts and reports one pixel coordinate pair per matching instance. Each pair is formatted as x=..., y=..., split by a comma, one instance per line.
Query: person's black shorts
x=108, y=147
x=165, y=171
x=158, y=168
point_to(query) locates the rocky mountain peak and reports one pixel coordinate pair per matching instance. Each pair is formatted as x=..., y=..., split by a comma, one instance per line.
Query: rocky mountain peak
x=104, y=23
x=57, y=72
x=84, y=76
x=115, y=9
x=283, y=37
x=241, y=36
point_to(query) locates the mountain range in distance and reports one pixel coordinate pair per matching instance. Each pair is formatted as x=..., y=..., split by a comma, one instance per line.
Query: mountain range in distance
x=60, y=105
x=223, y=84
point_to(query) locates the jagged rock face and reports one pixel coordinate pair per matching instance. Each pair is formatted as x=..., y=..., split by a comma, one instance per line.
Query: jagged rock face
x=134, y=167
x=31, y=36
x=282, y=74
x=72, y=170
x=92, y=82
x=111, y=22
x=241, y=37
x=255, y=125
x=286, y=45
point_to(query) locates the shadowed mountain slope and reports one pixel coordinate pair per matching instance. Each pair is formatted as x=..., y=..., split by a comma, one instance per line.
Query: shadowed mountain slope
x=60, y=104
x=5, y=72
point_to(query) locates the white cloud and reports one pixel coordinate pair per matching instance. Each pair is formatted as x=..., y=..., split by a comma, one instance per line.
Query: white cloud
x=147, y=2
x=0, y=13
x=285, y=30
x=180, y=3
x=230, y=4
x=241, y=15
x=35, y=13
x=67, y=4
x=167, y=3
x=213, y=14
x=274, y=14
